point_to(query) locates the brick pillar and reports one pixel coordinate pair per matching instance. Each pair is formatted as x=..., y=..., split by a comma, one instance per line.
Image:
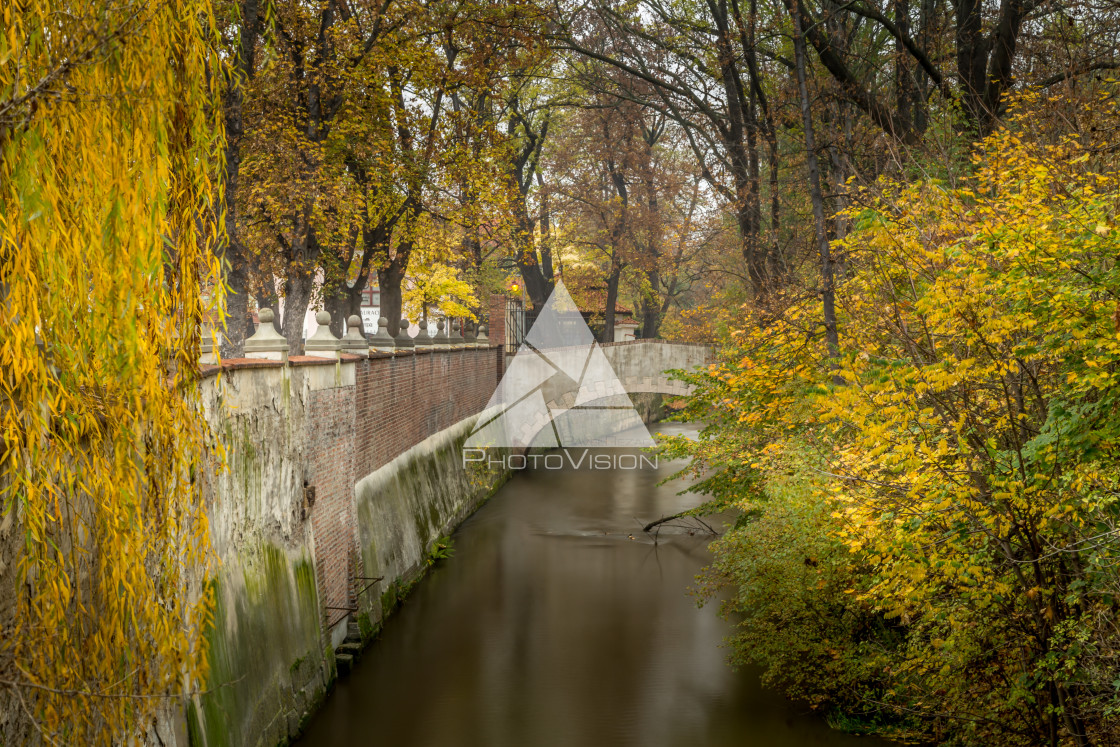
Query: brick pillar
x=497, y=319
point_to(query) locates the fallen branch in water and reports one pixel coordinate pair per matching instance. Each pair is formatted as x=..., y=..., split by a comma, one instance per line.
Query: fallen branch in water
x=680, y=516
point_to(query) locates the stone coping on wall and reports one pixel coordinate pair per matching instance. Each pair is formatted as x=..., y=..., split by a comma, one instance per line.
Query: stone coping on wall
x=642, y=341
x=374, y=354
x=206, y=370
x=659, y=341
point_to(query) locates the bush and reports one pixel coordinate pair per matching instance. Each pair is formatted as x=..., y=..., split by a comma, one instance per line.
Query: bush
x=963, y=453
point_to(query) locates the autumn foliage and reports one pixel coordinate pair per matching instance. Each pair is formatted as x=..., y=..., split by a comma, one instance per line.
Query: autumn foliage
x=933, y=512
x=106, y=146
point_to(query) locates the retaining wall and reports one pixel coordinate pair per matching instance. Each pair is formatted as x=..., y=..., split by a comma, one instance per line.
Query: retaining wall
x=338, y=472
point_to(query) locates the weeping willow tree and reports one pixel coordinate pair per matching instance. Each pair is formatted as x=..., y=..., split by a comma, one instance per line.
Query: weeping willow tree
x=107, y=147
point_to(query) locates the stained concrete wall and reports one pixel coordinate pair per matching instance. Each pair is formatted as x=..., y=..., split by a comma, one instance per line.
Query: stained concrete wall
x=641, y=364
x=269, y=667
x=296, y=530
x=404, y=506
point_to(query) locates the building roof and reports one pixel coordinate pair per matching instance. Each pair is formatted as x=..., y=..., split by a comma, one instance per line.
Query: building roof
x=595, y=301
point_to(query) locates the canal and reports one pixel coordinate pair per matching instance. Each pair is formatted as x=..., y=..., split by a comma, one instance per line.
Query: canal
x=558, y=622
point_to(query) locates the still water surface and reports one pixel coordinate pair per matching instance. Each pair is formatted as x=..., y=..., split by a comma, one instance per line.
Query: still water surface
x=559, y=623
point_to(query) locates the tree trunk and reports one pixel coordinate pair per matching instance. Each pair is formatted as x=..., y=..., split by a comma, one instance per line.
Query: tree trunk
x=828, y=297
x=237, y=321
x=922, y=81
x=737, y=139
x=537, y=284
x=546, y=232
x=775, y=203
x=338, y=305
x=353, y=306
x=775, y=261
x=651, y=308
x=838, y=178
x=266, y=294
x=389, y=278
x=972, y=63
x=297, y=297
x=233, y=255
x=906, y=93
x=612, y=297
x=345, y=299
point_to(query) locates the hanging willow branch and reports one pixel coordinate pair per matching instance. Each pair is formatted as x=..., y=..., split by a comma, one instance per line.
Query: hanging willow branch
x=105, y=179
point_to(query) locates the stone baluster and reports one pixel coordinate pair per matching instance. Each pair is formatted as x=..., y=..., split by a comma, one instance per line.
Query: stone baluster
x=266, y=342
x=402, y=340
x=456, y=337
x=353, y=342
x=442, y=341
x=423, y=339
x=482, y=341
x=323, y=343
x=380, y=340
x=469, y=338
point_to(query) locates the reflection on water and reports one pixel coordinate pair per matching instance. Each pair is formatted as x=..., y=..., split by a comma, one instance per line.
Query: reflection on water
x=558, y=622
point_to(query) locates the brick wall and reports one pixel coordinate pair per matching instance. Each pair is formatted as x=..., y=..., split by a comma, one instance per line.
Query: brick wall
x=331, y=449
x=398, y=401
x=355, y=426
x=321, y=424
x=402, y=399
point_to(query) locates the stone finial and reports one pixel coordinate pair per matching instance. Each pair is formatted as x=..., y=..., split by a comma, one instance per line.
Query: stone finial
x=441, y=340
x=380, y=340
x=456, y=337
x=402, y=340
x=423, y=339
x=482, y=340
x=353, y=342
x=468, y=334
x=266, y=342
x=323, y=343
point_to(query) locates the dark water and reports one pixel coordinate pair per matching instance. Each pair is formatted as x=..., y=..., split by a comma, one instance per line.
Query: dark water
x=559, y=623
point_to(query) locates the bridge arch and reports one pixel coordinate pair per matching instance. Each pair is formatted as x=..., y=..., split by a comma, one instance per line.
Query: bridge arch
x=641, y=366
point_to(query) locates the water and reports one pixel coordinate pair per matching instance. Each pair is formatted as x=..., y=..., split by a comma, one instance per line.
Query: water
x=559, y=623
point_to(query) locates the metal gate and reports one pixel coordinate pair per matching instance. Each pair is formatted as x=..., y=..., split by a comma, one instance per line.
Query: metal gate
x=519, y=321
x=515, y=325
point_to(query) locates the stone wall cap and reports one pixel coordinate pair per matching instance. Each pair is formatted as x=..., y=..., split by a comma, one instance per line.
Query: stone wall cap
x=353, y=341
x=205, y=370
x=311, y=360
x=266, y=339
x=232, y=363
x=323, y=340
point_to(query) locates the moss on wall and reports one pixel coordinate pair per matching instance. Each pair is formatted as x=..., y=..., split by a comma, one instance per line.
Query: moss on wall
x=409, y=503
x=268, y=666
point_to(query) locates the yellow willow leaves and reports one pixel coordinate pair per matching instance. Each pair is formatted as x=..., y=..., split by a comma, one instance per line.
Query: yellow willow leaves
x=107, y=138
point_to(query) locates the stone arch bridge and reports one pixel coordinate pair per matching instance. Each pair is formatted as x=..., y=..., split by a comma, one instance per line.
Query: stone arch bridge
x=641, y=365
